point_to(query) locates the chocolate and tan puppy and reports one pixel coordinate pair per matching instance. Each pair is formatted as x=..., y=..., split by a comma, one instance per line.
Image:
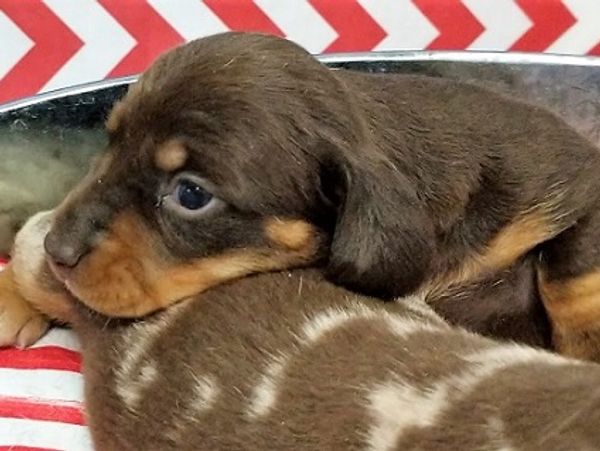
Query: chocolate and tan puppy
x=288, y=360
x=240, y=153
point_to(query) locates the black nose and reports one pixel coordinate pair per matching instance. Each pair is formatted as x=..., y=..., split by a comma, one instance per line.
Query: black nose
x=62, y=251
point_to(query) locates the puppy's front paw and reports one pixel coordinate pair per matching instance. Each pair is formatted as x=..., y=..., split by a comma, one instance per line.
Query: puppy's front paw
x=20, y=324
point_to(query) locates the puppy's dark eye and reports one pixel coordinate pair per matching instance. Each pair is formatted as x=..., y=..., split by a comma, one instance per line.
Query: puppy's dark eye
x=191, y=196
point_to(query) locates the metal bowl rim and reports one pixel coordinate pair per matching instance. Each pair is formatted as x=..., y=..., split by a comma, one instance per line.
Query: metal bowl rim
x=513, y=58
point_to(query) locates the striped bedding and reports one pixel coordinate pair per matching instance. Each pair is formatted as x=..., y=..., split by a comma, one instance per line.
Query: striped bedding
x=41, y=393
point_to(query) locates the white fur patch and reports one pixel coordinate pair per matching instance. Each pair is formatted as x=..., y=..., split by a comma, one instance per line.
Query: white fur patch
x=486, y=363
x=148, y=373
x=202, y=397
x=403, y=327
x=205, y=393
x=132, y=390
x=331, y=319
x=334, y=318
x=395, y=407
x=132, y=375
x=497, y=435
x=134, y=348
x=264, y=394
x=513, y=354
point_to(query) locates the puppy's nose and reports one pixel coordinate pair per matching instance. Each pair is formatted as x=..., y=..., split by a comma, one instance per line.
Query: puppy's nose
x=63, y=252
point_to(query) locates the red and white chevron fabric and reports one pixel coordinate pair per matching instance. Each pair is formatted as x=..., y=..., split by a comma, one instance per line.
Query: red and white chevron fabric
x=47, y=44
x=41, y=394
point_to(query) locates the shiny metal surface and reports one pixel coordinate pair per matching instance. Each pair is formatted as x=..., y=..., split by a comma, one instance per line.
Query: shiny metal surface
x=569, y=85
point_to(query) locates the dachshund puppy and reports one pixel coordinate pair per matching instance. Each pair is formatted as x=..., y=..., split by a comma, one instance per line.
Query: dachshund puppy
x=240, y=153
x=287, y=360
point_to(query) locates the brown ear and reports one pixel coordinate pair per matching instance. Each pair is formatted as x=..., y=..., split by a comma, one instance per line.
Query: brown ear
x=383, y=241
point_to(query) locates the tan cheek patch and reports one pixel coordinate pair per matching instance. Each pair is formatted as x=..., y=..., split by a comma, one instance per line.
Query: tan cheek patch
x=290, y=233
x=297, y=244
x=515, y=240
x=124, y=276
x=170, y=156
x=187, y=280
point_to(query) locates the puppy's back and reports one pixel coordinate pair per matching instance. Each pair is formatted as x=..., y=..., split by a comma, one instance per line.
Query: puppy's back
x=288, y=361
x=452, y=138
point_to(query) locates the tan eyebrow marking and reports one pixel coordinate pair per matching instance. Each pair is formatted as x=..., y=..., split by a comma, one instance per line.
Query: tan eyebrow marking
x=170, y=156
x=292, y=234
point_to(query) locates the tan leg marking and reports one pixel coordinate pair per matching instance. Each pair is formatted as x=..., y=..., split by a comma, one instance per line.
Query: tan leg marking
x=505, y=248
x=572, y=303
x=573, y=306
x=28, y=298
x=20, y=323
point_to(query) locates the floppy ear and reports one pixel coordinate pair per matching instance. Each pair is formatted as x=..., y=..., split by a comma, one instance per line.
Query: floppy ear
x=383, y=241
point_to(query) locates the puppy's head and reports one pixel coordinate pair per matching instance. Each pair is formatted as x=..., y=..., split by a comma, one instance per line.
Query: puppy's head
x=229, y=156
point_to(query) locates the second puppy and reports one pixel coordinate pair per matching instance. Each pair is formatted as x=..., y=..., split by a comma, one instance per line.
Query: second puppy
x=288, y=360
x=240, y=153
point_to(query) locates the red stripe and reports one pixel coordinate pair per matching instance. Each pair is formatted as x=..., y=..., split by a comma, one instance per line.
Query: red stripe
x=28, y=410
x=42, y=358
x=357, y=30
x=243, y=15
x=25, y=448
x=457, y=25
x=550, y=20
x=154, y=35
x=595, y=51
x=53, y=45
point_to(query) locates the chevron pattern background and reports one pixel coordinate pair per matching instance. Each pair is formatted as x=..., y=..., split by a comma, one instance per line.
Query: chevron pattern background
x=48, y=44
